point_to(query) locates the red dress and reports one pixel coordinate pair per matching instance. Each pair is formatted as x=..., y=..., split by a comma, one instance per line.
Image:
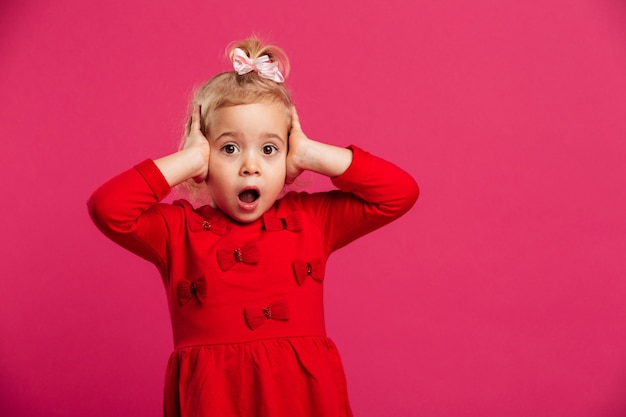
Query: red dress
x=245, y=300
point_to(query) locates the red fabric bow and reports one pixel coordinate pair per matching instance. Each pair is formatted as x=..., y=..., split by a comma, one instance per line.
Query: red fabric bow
x=248, y=254
x=189, y=289
x=313, y=269
x=209, y=223
x=217, y=226
x=293, y=223
x=256, y=316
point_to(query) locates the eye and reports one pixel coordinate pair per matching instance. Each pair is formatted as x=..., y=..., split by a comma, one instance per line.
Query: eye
x=269, y=149
x=229, y=148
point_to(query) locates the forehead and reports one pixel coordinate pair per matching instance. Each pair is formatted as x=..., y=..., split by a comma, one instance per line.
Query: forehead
x=251, y=119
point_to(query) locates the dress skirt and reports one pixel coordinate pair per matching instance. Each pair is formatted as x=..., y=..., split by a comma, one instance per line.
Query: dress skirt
x=281, y=377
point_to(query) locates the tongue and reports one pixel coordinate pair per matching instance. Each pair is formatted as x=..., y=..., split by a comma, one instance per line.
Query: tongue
x=248, y=196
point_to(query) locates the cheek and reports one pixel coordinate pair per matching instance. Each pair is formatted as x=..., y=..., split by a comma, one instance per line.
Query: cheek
x=280, y=167
x=275, y=173
x=219, y=174
x=218, y=162
x=281, y=176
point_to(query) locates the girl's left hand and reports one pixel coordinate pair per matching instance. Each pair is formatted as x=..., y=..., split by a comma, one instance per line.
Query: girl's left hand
x=298, y=143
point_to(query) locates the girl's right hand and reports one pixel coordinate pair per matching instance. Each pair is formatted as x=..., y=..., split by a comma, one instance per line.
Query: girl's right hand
x=190, y=162
x=197, y=142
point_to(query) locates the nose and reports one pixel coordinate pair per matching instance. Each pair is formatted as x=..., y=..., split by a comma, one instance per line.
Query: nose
x=249, y=166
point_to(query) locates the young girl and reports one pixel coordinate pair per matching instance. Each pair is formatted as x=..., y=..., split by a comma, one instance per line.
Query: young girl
x=244, y=274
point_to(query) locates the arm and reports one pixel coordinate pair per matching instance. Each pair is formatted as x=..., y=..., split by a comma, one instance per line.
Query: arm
x=373, y=192
x=190, y=162
x=307, y=154
x=125, y=208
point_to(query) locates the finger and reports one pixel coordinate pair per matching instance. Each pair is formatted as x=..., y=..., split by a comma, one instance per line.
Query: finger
x=195, y=118
x=295, y=119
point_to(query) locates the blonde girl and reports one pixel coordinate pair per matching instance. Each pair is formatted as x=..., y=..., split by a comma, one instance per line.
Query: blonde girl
x=244, y=274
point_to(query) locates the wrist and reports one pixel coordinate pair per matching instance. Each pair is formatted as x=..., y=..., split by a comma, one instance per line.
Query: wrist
x=182, y=165
x=326, y=159
x=197, y=160
x=301, y=157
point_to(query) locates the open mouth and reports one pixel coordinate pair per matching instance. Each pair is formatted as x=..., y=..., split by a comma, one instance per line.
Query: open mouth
x=249, y=195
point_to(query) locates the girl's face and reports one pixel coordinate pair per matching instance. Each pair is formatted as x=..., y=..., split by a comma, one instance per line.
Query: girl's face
x=247, y=163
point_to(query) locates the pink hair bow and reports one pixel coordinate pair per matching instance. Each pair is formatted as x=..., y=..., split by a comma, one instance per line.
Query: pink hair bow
x=262, y=65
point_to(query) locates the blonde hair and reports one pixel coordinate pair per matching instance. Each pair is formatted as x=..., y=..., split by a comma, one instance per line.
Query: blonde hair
x=231, y=89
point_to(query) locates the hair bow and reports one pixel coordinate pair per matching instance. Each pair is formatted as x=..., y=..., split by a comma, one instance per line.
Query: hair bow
x=313, y=269
x=262, y=65
x=291, y=223
x=248, y=254
x=188, y=289
x=256, y=316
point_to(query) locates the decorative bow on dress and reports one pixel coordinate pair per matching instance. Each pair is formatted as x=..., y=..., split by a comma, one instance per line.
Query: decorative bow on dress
x=190, y=289
x=313, y=269
x=274, y=224
x=208, y=222
x=256, y=316
x=248, y=254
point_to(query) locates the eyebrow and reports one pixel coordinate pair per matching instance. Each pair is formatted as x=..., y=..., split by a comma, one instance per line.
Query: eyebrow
x=228, y=133
x=236, y=135
x=274, y=135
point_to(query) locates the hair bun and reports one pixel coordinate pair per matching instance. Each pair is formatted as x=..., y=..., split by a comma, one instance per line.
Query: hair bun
x=255, y=49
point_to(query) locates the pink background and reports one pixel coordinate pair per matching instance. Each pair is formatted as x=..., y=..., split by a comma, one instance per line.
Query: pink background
x=502, y=293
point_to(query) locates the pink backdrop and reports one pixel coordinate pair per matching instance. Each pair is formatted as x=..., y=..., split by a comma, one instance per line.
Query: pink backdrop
x=500, y=294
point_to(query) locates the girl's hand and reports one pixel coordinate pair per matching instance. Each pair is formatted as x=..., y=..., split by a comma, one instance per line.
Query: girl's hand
x=190, y=162
x=307, y=154
x=298, y=143
x=197, y=142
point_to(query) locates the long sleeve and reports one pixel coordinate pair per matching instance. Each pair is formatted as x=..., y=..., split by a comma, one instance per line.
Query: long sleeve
x=373, y=192
x=125, y=209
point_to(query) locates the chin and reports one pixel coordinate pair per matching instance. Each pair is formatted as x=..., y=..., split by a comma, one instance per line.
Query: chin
x=248, y=217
